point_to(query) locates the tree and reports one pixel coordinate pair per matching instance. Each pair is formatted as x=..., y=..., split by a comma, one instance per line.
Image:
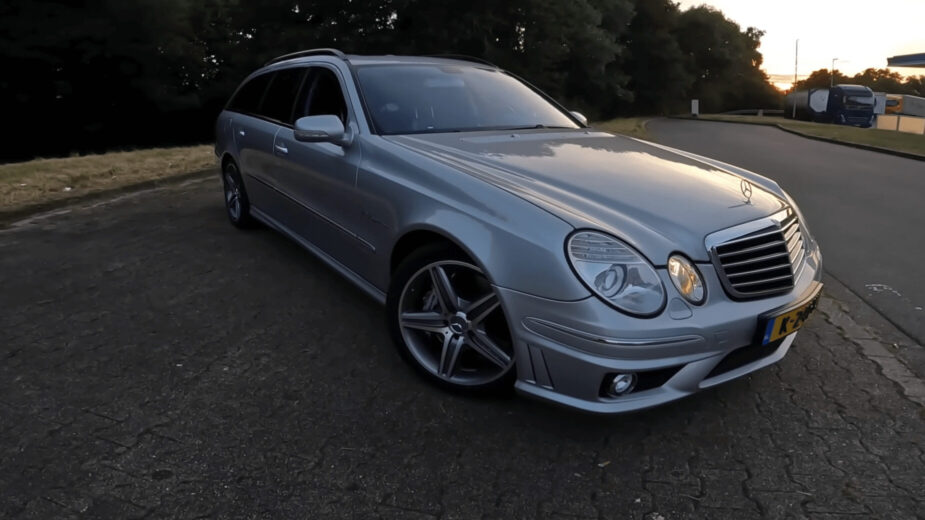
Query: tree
x=724, y=61
x=109, y=73
x=878, y=80
x=659, y=78
x=821, y=78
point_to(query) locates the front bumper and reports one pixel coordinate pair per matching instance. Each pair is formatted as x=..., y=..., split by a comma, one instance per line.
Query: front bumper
x=567, y=350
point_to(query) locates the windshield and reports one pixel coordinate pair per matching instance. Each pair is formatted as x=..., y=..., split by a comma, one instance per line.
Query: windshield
x=408, y=99
x=859, y=100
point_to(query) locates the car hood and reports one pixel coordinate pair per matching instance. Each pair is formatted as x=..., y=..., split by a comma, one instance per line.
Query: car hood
x=657, y=199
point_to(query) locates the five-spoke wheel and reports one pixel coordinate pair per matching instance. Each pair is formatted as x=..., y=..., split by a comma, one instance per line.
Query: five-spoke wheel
x=449, y=320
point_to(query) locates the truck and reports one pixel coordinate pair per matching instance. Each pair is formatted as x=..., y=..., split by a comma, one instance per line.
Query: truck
x=841, y=104
x=906, y=105
x=880, y=101
x=893, y=103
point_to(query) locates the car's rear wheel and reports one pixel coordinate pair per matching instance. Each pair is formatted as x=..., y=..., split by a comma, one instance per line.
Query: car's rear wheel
x=447, y=321
x=237, y=205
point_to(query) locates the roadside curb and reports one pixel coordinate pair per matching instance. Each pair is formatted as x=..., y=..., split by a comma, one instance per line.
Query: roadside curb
x=897, y=355
x=7, y=217
x=906, y=155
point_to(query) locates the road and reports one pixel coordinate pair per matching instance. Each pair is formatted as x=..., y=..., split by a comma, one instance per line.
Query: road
x=867, y=209
x=157, y=363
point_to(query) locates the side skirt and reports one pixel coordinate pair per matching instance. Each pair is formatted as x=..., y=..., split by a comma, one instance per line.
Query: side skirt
x=356, y=279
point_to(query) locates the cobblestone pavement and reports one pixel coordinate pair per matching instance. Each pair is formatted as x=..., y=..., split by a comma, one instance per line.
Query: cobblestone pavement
x=154, y=362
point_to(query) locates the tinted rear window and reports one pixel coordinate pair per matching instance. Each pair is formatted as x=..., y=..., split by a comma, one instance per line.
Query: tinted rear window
x=280, y=97
x=247, y=99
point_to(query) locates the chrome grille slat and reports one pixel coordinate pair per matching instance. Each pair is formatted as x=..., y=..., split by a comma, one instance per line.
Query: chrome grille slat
x=799, y=259
x=790, y=231
x=794, y=243
x=755, y=271
x=750, y=237
x=751, y=249
x=768, y=280
x=753, y=261
x=763, y=262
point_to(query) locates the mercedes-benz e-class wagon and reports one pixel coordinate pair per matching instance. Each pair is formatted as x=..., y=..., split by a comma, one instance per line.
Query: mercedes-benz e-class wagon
x=511, y=243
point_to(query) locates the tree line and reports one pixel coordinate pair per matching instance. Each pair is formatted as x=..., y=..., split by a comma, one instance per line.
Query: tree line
x=91, y=75
x=879, y=80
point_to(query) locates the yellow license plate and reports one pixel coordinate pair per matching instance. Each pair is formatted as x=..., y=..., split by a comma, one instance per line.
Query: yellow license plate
x=789, y=322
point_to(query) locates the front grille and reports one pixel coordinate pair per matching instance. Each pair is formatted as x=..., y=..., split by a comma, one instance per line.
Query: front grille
x=763, y=262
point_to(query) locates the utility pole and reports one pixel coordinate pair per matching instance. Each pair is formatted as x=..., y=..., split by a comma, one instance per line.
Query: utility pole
x=832, y=78
x=793, y=89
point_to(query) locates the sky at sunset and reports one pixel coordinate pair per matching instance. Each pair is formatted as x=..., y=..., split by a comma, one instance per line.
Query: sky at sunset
x=860, y=34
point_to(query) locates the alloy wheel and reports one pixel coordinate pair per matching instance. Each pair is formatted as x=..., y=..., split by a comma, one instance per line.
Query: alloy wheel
x=453, y=325
x=232, y=196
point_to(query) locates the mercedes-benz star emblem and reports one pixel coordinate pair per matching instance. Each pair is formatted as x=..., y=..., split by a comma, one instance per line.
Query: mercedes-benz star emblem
x=746, y=188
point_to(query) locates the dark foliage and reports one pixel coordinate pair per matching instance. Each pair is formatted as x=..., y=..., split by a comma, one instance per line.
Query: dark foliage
x=879, y=80
x=91, y=75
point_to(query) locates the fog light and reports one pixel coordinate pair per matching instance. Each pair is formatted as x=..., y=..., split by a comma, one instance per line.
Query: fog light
x=622, y=384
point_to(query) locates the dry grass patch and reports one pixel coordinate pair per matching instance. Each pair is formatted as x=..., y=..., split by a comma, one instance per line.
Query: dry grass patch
x=631, y=126
x=48, y=180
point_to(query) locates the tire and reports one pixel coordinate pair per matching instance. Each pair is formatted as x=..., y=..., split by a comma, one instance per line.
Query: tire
x=237, y=205
x=458, y=337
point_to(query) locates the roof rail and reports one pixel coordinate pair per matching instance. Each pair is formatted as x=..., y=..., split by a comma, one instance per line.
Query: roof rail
x=463, y=57
x=309, y=52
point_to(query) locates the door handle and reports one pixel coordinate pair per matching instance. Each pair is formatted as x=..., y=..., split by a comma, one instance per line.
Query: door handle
x=281, y=148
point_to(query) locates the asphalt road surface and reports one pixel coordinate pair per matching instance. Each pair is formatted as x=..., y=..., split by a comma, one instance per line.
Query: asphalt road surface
x=157, y=363
x=867, y=209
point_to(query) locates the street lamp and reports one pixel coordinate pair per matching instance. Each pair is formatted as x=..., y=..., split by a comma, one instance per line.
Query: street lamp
x=832, y=78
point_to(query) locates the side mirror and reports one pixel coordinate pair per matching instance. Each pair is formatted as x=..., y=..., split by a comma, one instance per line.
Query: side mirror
x=579, y=116
x=320, y=129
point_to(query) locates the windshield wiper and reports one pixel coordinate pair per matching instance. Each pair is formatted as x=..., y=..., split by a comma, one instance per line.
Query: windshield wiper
x=538, y=126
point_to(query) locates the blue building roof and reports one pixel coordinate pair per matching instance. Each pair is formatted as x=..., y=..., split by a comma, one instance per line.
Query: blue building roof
x=908, y=60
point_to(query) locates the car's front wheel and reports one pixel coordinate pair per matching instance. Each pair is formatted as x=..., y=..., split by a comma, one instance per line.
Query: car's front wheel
x=447, y=321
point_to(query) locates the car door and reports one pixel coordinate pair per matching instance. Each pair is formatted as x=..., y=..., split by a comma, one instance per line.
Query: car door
x=272, y=183
x=253, y=137
x=321, y=177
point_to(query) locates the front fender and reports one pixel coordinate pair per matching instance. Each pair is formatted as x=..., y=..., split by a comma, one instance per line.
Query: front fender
x=519, y=245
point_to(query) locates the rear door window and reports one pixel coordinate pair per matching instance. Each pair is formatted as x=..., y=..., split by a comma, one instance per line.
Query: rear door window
x=247, y=99
x=280, y=98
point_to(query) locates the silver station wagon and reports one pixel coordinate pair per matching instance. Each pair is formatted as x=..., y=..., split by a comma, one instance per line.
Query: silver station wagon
x=511, y=243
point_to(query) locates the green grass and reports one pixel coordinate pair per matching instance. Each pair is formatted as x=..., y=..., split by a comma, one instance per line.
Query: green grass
x=888, y=139
x=48, y=180
x=631, y=126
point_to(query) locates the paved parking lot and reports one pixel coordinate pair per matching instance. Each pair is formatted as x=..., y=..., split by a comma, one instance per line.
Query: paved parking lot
x=154, y=362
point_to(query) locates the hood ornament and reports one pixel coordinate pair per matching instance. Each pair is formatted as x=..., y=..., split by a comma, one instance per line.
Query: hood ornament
x=746, y=188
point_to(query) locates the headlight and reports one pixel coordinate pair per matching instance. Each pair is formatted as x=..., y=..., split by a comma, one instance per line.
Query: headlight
x=616, y=272
x=686, y=278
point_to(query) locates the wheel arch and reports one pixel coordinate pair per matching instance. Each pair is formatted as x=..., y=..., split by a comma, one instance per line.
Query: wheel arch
x=500, y=256
x=418, y=238
x=228, y=158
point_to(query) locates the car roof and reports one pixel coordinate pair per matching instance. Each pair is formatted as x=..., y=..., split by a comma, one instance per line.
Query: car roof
x=387, y=59
x=390, y=59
